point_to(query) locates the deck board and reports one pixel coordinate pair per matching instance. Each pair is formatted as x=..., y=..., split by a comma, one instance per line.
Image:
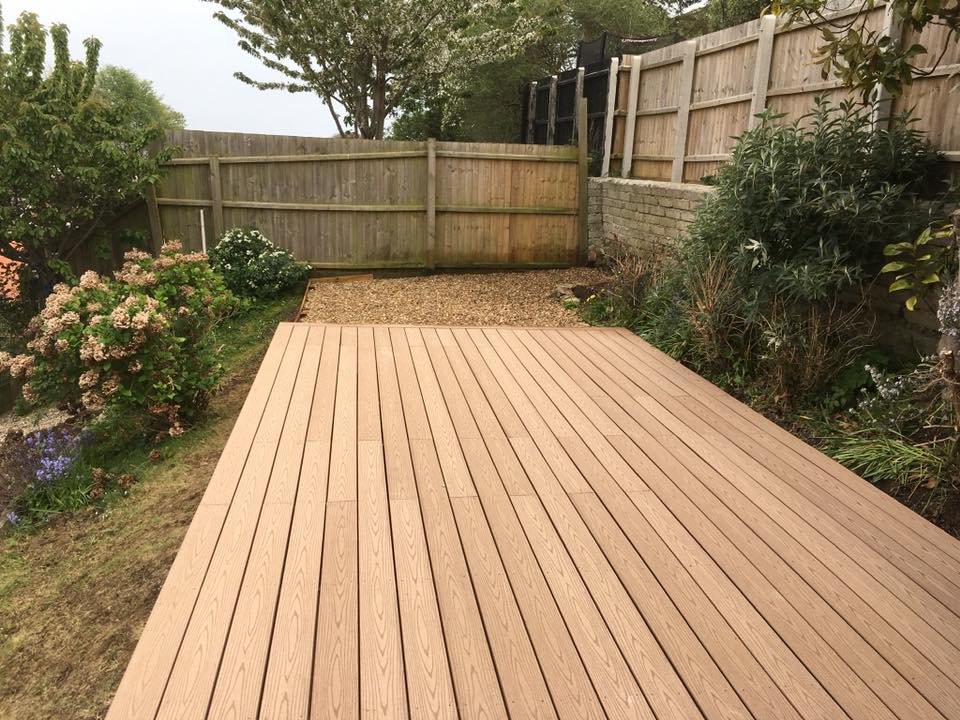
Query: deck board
x=415, y=522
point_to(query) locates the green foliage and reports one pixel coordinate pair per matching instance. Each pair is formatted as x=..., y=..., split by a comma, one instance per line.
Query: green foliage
x=902, y=431
x=252, y=266
x=890, y=458
x=368, y=56
x=861, y=56
x=852, y=382
x=920, y=264
x=724, y=13
x=827, y=189
x=761, y=294
x=134, y=348
x=135, y=98
x=69, y=161
x=487, y=101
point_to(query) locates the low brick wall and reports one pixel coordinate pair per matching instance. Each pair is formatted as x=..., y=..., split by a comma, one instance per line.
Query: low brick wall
x=643, y=213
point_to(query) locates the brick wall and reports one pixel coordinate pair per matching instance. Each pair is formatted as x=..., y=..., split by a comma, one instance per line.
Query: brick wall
x=643, y=213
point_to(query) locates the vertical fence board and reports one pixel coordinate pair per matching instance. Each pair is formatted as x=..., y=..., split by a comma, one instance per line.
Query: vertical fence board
x=633, y=92
x=431, y=203
x=612, y=84
x=531, y=112
x=761, y=79
x=216, y=197
x=582, y=189
x=552, y=111
x=689, y=53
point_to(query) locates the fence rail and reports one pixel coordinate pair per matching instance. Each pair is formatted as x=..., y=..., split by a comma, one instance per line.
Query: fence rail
x=361, y=203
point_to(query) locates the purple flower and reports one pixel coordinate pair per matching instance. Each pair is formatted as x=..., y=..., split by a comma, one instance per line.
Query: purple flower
x=12, y=517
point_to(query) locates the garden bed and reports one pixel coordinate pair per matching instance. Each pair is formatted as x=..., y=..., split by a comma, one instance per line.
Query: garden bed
x=491, y=298
x=75, y=593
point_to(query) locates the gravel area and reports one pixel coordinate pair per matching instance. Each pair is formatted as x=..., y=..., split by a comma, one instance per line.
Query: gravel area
x=497, y=298
x=37, y=420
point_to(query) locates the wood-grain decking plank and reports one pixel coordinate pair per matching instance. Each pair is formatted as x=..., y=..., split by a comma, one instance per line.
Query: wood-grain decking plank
x=287, y=685
x=335, y=691
x=475, y=678
x=896, y=542
x=382, y=685
x=926, y=676
x=243, y=667
x=937, y=543
x=845, y=642
x=420, y=522
x=145, y=677
x=191, y=682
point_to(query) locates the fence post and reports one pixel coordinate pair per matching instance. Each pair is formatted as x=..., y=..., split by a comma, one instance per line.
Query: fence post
x=431, y=203
x=577, y=94
x=583, y=179
x=761, y=74
x=532, y=113
x=633, y=95
x=613, y=81
x=683, y=112
x=552, y=110
x=217, y=198
x=153, y=217
x=893, y=29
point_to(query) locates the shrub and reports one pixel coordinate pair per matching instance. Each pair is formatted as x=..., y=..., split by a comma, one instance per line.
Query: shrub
x=133, y=346
x=251, y=265
x=828, y=189
x=764, y=289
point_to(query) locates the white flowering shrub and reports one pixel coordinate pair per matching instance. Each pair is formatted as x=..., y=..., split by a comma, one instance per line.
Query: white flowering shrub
x=135, y=343
x=252, y=266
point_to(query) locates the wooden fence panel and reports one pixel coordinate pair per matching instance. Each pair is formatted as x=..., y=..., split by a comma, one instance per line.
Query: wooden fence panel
x=737, y=72
x=357, y=203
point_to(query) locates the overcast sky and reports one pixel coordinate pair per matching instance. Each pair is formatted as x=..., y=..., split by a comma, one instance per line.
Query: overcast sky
x=190, y=58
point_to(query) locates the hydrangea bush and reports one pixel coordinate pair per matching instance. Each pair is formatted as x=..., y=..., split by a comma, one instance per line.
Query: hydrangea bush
x=253, y=266
x=137, y=343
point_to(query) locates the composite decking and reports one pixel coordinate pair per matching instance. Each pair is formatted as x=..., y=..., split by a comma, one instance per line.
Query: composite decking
x=536, y=523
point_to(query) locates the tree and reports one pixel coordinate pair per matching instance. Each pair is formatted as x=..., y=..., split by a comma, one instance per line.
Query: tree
x=69, y=162
x=366, y=55
x=487, y=102
x=135, y=98
x=862, y=56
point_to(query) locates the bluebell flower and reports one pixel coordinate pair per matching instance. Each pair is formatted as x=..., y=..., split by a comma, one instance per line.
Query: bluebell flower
x=12, y=517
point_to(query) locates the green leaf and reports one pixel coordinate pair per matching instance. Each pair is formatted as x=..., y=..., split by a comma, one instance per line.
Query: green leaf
x=930, y=279
x=911, y=302
x=903, y=284
x=897, y=248
x=894, y=266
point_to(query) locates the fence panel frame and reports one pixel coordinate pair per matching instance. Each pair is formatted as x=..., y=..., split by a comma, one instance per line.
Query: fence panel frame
x=478, y=204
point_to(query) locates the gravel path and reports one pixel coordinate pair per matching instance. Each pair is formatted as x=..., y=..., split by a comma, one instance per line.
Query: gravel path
x=501, y=298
